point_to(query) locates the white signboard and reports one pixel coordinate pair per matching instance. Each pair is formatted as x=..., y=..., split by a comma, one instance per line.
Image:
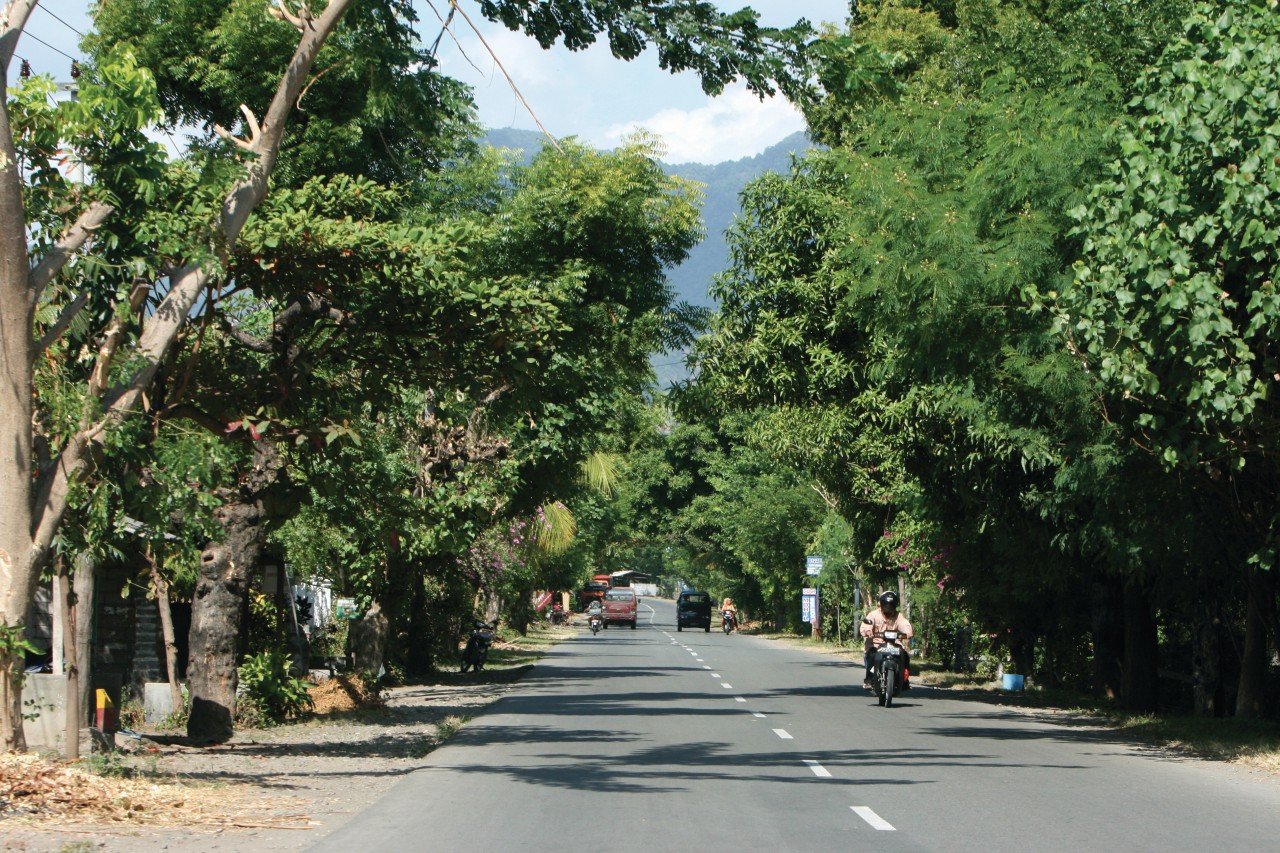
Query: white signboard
x=808, y=605
x=813, y=565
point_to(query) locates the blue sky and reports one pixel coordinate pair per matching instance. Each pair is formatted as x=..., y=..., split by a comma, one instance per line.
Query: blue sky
x=588, y=94
x=598, y=98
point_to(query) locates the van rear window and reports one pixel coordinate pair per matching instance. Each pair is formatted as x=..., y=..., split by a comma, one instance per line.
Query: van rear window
x=699, y=598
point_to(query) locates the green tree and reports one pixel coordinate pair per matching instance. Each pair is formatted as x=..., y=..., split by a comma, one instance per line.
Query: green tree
x=877, y=319
x=107, y=124
x=1174, y=306
x=177, y=234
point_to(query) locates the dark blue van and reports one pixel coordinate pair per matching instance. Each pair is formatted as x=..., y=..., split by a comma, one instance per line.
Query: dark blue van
x=693, y=610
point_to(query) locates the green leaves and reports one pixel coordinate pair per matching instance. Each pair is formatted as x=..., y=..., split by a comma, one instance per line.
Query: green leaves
x=688, y=35
x=1186, y=224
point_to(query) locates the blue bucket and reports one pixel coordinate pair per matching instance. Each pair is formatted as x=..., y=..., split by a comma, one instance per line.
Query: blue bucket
x=1013, y=682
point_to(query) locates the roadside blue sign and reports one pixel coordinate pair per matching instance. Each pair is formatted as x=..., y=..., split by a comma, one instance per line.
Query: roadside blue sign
x=813, y=565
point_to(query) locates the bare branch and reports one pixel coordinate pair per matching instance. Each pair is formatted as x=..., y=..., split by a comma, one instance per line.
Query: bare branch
x=245, y=196
x=301, y=20
x=196, y=415
x=68, y=244
x=250, y=122
x=111, y=340
x=482, y=408
x=64, y=320
x=831, y=501
x=247, y=340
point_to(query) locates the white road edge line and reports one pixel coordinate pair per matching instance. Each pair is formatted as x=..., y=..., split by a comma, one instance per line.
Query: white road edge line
x=872, y=818
x=783, y=733
x=818, y=769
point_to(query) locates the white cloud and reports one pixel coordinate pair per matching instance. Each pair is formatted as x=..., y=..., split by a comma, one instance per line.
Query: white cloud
x=734, y=125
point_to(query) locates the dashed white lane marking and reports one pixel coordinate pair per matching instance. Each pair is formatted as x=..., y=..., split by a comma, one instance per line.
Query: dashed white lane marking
x=714, y=674
x=872, y=818
x=818, y=769
x=706, y=667
x=783, y=733
x=757, y=714
x=739, y=699
x=726, y=685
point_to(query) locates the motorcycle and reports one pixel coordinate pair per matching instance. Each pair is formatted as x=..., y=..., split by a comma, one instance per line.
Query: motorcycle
x=890, y=668
x=595, y=622
x=558, y=616
x=728, y=620
x=476, y=653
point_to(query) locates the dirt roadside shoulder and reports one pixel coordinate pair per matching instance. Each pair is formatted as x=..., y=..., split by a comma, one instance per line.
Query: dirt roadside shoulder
x=265, y=791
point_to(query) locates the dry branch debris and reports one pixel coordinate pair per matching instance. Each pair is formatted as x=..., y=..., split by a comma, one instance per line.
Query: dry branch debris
x=343, y=693
x=34, y=789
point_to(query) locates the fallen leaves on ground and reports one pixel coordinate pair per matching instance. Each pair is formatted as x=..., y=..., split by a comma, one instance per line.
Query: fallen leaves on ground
x=343, y=693
x=34, y=790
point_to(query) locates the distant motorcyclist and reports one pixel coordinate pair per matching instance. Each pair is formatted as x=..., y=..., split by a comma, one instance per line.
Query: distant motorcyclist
x=884, y=618
x=729, y=611
x=595, y=616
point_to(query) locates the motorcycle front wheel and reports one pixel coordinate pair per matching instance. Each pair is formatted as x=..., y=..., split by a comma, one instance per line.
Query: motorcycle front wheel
x=887, y=680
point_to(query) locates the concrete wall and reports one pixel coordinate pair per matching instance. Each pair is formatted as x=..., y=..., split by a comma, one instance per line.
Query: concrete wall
x=44, y=711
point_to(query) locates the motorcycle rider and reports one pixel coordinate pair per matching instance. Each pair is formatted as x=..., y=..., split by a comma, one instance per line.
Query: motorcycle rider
x=594, y=610
x=884, y=618
x=727, y=609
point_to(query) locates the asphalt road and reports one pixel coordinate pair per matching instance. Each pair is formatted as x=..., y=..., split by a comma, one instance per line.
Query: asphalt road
x=653, y=740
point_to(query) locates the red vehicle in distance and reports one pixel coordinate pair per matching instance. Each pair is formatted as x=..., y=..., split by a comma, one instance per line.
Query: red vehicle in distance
x=621, y=605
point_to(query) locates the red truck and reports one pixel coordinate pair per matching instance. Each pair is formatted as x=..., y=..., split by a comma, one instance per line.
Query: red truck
x=593, y=591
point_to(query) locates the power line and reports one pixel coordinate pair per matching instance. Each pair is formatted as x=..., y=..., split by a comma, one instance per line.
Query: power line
x=60, y=21
x=51, y=47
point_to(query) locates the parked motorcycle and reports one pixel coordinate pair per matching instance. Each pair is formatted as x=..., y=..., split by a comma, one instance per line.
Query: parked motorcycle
x=476, y=653
x=728, y=620
x=890, y=668
x=595, y=622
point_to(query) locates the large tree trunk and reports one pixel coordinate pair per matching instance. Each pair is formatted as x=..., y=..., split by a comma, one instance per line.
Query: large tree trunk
x=369, y=643
x=18, y=571
x=216, y=616
x=418, y=653
x=1206, y=665
x=1251, y=696
x=221, y=596
x=1140, y=686
x=1108, y=636
x=1022, y=648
